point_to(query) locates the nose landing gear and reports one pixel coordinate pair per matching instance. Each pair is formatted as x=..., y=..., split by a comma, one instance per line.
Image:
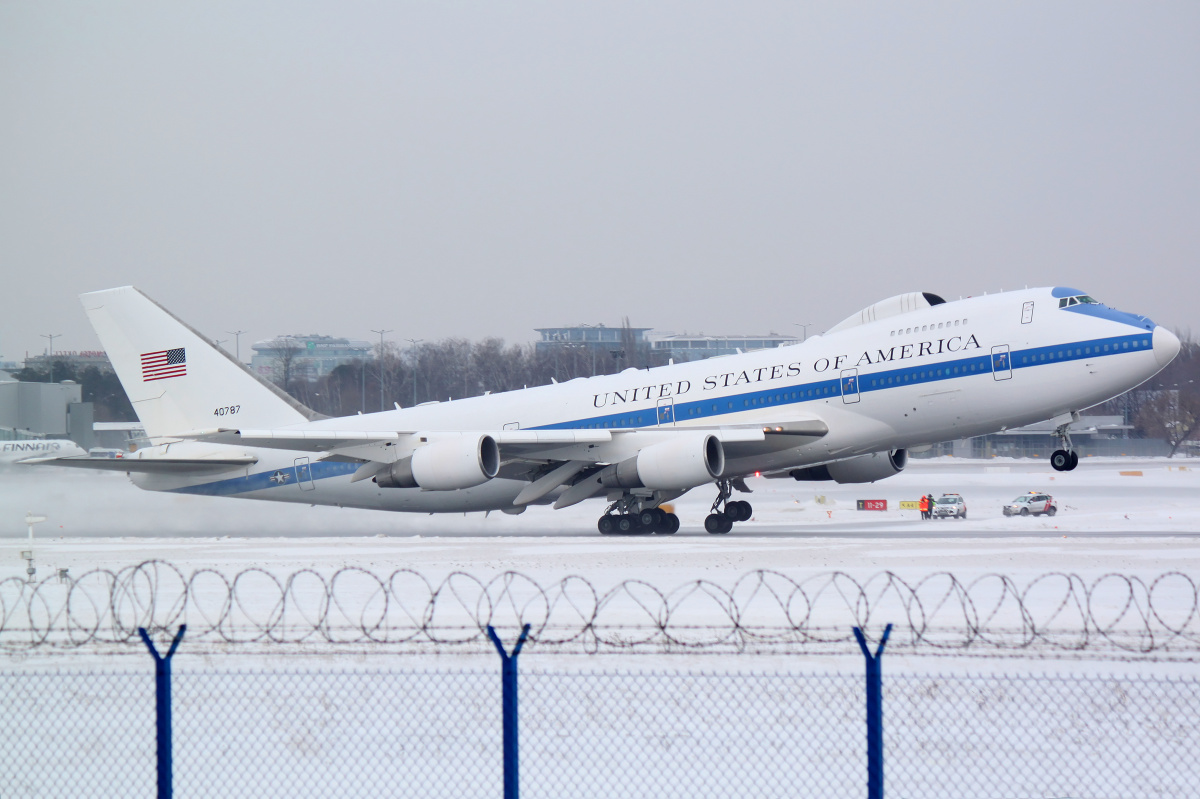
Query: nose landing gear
x=721, y=521
x=1065, y=459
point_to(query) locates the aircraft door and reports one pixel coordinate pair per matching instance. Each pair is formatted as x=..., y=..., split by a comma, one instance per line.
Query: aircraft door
x=849, y=383
x=304, y=474
x=1027, y=313
x=1001, y=363
x=666, y=412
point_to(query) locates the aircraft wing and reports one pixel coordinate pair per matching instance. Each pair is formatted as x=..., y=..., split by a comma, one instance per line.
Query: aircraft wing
x=597, y=446
x=149, y=465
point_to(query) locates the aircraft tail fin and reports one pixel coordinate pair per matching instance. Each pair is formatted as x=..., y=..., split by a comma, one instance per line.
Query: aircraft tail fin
x=178, y=380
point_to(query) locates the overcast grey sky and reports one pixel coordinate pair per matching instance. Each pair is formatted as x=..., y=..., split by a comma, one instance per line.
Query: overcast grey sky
x=475, y=168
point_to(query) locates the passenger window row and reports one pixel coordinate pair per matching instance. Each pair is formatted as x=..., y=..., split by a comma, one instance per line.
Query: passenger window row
x=904, y=331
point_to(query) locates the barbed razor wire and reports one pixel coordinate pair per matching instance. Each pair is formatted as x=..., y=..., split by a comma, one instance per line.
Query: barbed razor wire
x=761, y=611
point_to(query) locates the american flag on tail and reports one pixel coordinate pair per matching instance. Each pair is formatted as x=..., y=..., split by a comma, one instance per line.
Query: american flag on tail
x=163, y=364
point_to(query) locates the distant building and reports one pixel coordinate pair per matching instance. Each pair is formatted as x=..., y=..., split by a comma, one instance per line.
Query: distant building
x=126, y=436
x=79, y=359
x=38, y=410
x=312, y=357
x=591, y=337
x=1091, y=435
x=683, y=347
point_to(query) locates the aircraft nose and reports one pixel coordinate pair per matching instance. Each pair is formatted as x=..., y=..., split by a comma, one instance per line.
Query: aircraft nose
x=1166, y=345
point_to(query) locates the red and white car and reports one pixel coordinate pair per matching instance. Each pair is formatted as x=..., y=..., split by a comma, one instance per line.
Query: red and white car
x=1035, y=503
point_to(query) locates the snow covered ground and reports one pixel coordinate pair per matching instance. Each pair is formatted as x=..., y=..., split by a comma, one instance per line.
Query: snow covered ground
x=657, y=724
x=1135, y=514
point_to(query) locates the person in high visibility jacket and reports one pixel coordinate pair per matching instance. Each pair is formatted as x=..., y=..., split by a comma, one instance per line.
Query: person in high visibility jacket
x=924, y=506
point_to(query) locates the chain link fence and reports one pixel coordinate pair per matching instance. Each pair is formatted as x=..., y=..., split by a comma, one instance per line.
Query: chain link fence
x=663, y=733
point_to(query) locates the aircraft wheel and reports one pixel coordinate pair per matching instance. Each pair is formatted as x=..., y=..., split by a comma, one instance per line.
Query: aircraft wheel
x=746, y=511
x=624, y=523
x=606, y=525
x=670, y=524
x=716, y=523
x=1053, y=510
x=651, y=519
x=1024, y=511
x=1074, y=461
x=1060, y=460
x=733, y=511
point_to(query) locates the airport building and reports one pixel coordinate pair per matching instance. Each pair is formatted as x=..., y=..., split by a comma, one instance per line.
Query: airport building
x=679, y=347
x=45, y=410
x=684, y=347
x=591, y=337
x=78, y=359
x=1091, y=435
x=306, y=357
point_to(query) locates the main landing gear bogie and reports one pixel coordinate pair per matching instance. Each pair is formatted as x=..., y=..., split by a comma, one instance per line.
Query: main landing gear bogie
x=651, y=520
x=721, y=521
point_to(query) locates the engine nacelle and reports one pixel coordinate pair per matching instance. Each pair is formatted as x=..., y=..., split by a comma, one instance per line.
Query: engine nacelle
x=686, y=462
x=863, y=469
x=446, y=465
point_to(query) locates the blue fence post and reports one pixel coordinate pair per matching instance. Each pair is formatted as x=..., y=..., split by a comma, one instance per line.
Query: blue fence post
x=512, y=782
x=874, y=712
x=162, y=706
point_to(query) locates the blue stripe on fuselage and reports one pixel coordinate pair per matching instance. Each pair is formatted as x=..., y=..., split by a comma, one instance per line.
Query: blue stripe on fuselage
x=260, y=481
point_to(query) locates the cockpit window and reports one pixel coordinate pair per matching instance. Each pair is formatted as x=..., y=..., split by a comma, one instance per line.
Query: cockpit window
x=1081, y=299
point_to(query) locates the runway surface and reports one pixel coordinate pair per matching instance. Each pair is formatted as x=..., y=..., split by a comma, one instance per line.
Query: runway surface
x=1102, y=498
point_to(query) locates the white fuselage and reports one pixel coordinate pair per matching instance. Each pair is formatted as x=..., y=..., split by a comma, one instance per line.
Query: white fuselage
x=949, y=371
x=16, y=451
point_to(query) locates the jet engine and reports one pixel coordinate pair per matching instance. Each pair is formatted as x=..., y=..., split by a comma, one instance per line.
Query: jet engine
x=685, y=462
x=459, y=462
x=863, y=469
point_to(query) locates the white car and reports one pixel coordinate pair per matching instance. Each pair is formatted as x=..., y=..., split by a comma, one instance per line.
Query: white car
x=950, y=505
x=1032, y=504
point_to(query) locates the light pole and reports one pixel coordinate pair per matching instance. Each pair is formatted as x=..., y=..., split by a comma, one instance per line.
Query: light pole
x=51, y=336
x=237, y=338
x=413, y=349
x=381, y=332
x=803, y=329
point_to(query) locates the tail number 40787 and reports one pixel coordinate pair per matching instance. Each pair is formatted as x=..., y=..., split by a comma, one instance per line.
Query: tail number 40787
x=227, y=410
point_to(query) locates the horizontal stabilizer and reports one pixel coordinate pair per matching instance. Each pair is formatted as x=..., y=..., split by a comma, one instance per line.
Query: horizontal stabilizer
x=150, y=465
x=302, y=440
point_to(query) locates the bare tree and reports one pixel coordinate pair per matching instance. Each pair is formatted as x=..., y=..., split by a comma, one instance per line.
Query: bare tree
x=286, y=350
x=1172, y=415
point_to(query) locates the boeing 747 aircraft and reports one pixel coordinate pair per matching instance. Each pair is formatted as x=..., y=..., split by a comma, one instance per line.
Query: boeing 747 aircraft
x=844, y=406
